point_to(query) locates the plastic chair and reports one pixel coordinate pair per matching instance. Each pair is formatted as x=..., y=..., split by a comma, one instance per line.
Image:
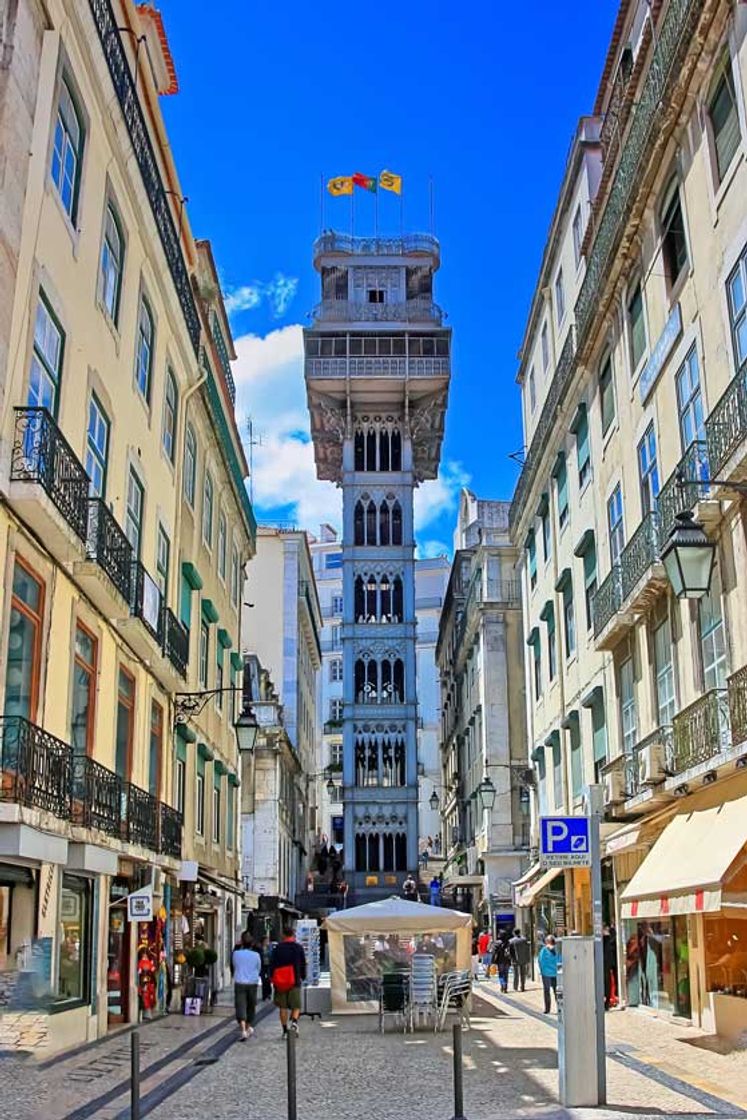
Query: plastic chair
x=423, y=988
x=394, y=998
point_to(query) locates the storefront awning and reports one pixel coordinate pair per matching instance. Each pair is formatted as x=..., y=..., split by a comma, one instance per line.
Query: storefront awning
x=526, y=890
x=464, y=881
x=685, y=870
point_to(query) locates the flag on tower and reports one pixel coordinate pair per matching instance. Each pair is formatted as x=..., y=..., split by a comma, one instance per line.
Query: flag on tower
x=367, y=182
x=343, y=184
x=388, y=181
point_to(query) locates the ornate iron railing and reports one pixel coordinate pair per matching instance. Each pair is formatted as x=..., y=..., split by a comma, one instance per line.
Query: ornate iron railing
x=124, y=87
x=607, y=600
x=684, y=487
x=633, y=763
x=672, y=40
x=96, y=796
x=41, y=454
x=737, y=685
x=225, y=362
x=701, y=730
x=726, y=424
x=349, y=311
x=639, y=553
x=506, y=591
x=145, y=601
x=175, y=641
x=170, y=831
x=378, y=367
x=141, y=817
x=109, y=547
x=333, y=242
x=556, y=393
x=34, y=766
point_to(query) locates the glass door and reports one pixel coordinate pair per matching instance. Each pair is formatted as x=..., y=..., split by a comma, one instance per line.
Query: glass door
x=681, y=968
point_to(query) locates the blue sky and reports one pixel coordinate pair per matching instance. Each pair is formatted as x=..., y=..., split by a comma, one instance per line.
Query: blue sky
x=483, y=97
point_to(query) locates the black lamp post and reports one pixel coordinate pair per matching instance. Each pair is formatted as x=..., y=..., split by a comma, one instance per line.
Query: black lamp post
x=688, y=557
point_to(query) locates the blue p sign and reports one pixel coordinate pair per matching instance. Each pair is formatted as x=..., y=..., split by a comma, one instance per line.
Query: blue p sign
x=564, y=836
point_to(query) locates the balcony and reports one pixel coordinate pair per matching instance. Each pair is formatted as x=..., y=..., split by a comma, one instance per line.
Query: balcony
x=141, y=816
x=96, y=796
x=610, y=622
x=35, y=767
x=106, y=574
x=701, y=731
x=170, y=835
x=351, y=311
x=144, y=627
x=225, y=361
x=412, y=244
x=642, y=577
x=333, y=727
x=651, y=762
x=175, y=642
x=378, y=367
x=726, y=432
x=48, y=485
x=686, y=489
x=737, y=687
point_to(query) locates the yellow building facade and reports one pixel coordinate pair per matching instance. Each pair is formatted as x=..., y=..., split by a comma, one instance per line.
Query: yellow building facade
x=117, y=405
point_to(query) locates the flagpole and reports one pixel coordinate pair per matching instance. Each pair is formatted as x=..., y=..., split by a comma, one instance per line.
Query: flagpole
x=352, y=212
x=376, y=211
x=430, y=204
x=402, y=211
x=321, y=202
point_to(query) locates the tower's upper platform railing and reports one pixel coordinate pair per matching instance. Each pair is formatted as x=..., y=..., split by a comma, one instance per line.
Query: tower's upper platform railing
x=410, y=244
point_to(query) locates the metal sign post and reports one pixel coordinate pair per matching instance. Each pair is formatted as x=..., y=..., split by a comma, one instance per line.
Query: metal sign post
x=594, y=803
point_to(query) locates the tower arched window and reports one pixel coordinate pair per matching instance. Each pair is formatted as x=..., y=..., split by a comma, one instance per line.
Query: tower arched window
x=359, y=451
x=359, y=600
x=398, y=681
x=384, y=534
x=386, y=600
x=359, y=524
x=396, y=523
x=388, y=852
x=400, y=769
x=360, y=681
x=373, y=852
x=385, y=458
x=371, y=611
x=397, y=600
x=396, y=450
x=370, y=450
x=371, y=523
x=400, y=851
x=386, y=681
x=361, y=851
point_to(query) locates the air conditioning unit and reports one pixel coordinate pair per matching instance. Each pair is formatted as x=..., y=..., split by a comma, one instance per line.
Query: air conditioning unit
x=651, y=764
x=614, y=788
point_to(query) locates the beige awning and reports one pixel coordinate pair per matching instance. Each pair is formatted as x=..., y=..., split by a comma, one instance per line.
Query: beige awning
x=465, y=881
x=685, y=870
x=526, y=894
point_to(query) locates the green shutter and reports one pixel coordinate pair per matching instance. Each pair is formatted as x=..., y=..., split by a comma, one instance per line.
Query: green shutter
x=532, y=551
x=229, y=813
x=217, y=775
x=237, y=662
x=599, y=729
x=577, y=768
x=209, y=611
x=590, y=565
x=582, y=441
x=185, y=732
x=224, y=639
x=192, y=576
x=181, y=749
x=204, y=752
x=561, y=481
x=185, y=601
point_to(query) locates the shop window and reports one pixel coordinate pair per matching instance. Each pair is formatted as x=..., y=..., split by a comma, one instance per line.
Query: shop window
x=84, y=691
x=24, y=644
x=726, y=953
x=72, y=974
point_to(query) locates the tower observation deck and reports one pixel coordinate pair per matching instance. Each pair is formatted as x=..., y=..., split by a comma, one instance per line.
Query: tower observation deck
x=377, y=368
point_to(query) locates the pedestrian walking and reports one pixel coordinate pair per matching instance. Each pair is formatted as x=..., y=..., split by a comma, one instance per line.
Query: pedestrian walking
x=520, y=957
x=501, y=958
x=484, y=948
x=410, y=888
x=246, y=965
x=435, y=891
x=288, y=972
x=548, y=966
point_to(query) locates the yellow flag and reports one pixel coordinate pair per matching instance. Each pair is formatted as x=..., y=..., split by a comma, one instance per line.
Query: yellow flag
x=342, y=185
x=388, y=181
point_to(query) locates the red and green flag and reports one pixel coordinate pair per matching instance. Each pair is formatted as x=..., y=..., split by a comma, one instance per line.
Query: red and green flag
x=367, y=182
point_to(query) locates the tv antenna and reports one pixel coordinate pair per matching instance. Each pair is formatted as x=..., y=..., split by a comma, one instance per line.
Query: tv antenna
x=519, y=456
x=255, y=440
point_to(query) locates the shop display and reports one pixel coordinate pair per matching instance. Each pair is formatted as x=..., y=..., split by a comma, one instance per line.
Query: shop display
x=307, y=935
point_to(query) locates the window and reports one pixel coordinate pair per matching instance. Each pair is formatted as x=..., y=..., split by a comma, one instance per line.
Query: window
x=235, y=576
x=74, y=962
x=532, y=391
x=125, y=723
x=590, y=581
x=332, y=560
x=648, y=471
x=615, y=524
x=46, y=360
x=557, y=769
x=578, y=235
x=335, y=669
x=229, y=814
x=690, y=401
x=180, y=781
x=134, y=512
x=376, y=295
x=607, y=395
x=559, y=297
x=544, y=343
x=552, y=653
x=546, y=535
x=219, y=679
x=200, y=805
x=712, y=636
x=84, y=691
x=737, y=288
x=190, y=465
x=97, y=447
x=724, y=120
x=170, y=412
x=537, y=667
x=67, y=151
x=532, y=558
x=569, y=619
x=561, y=483
x=222, y=530
x=628, y=719
x=112, y=259
x=666, y=701
x=336, y=632
x=204, y=651
x=583, y=455
x=156, y=747
x=337, y=604
x=577, y=760
x=216, y=813
x=207, y=510
x=673, y=240
x=335, y=711
x=636, y=327
x=24, y=644
x=163, y=555
x=144, y=349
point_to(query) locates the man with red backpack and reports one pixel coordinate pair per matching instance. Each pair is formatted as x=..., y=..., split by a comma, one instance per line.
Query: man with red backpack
x=288, y=972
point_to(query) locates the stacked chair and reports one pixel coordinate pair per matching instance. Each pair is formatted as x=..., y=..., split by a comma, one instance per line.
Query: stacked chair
x=423, y=990
x=394, y=999
x=455, y=994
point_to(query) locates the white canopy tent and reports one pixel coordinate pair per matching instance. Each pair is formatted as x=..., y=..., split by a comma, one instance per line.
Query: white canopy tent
x=357, y=935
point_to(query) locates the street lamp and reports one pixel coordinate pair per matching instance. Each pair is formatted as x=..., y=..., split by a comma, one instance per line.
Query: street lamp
x=486, y=791
x=688, y=557
x=246, y=728
x=434, y=800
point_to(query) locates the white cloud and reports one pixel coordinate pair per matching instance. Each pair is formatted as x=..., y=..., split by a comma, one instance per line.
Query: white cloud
x=278, y=293
x=429, y=549
x=270, y=388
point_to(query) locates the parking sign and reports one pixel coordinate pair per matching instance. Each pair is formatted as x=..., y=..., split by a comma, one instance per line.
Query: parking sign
x=564, y=842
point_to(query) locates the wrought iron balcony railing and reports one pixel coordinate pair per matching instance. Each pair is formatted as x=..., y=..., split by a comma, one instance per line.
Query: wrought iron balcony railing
x=225, y=362
x=737, y=685
x=684, y=487
x=351, y=311
x=607, y=600
x=145, y=601
x=35, y=767
x=378, y=367
x=170, y=831
x=41, y=454
x=124, y=88
x=332, y=242
x=96, y=796
x=109, y=547
x=175, y=641
x=701, y=731
x=636, y=778
x=141, y=816
x=641, y=551
x=726, y=424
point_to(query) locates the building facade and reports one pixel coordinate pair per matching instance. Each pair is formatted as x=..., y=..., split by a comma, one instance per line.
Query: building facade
x=108, y=352
x=377, y=373
x=431, y=580
x=483, y=728
x=632, y=375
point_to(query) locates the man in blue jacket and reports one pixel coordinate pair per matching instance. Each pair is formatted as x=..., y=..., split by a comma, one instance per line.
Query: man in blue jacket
x=548, y=967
